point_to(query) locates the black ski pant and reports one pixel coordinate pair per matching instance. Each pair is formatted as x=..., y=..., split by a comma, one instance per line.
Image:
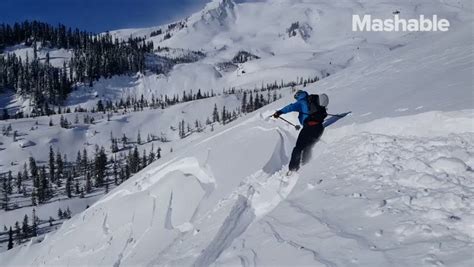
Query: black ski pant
x=308, y=136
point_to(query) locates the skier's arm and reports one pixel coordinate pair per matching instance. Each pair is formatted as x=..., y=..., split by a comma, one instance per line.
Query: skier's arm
x=290, y=108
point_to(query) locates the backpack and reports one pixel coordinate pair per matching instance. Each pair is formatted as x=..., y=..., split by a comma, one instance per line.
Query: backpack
x=317, y=107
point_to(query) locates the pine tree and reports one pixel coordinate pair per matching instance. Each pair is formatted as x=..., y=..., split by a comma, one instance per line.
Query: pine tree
x=250, y=105
x=25, y=172
x=152, y=155
x=100, y=166
x=9, y=182
x=10, y=239
x=84, y=161
x=224, y=115
x=62, y=122
x=114, y=146
x=244, y=102
x=68, y=213
x=25, y=227
x=19, y=182
x=60, y=214
x=144, y=160
x=135, y=161
x=34, y=197
x=196, y=125
x=124, y=140
x=256, y=104
x=115, y=170
x=122, y=174
x=77, y=189
x=181, y=130
x=127, y=171
x=69, y=186
x=5, y=198
x=17, y=232
x=100, y=106
x=34, y=227
x=51, y=164
x=43, y=190
x=33, y=169
x=60, y=167
x=139, y=138
x=215, y=114
x=88, y=183
x=78, y=159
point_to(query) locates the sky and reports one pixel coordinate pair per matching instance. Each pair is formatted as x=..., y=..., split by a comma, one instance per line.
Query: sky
x=99, y=15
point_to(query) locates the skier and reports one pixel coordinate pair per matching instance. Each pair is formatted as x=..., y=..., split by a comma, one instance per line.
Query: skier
x=311, y=117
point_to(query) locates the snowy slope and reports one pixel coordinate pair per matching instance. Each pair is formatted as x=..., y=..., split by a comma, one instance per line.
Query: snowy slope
x=56, y=56
x=391, y=185
x=323, y=43
x=375, y=198
x=157, y=122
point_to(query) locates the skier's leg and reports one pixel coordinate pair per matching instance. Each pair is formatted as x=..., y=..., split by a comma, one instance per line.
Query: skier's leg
x=301, y=143
x=295, y=159
x=306, y=154
x=316, y=133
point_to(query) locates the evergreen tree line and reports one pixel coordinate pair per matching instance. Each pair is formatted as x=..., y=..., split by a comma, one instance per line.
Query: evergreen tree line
x=252, y=101
x=130, y=103
x=94, y=56
x=164, y=101
x=51, y=36
x=60, y=177
x=97, y=172
x=224, y=116
x=17, y=234
x=135, y=104
x=273, y=86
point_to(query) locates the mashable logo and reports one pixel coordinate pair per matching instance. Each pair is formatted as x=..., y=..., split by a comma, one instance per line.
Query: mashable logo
x=421, y=24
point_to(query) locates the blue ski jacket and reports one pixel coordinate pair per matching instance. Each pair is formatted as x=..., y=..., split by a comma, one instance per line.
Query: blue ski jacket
x=301, y=106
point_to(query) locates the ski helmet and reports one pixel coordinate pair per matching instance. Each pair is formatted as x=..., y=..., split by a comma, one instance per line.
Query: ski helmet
x=298, y=94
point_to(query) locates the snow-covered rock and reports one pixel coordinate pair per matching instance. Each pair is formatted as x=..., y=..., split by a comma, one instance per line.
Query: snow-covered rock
x=26, y=143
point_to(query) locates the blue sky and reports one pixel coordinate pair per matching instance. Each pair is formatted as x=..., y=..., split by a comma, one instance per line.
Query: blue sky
x=99, y=15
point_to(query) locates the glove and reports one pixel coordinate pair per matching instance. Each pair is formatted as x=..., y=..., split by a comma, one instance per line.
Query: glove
x=277, y=114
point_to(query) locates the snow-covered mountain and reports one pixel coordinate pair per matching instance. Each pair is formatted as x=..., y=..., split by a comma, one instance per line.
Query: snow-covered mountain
x=293, y=39
x=389, y=185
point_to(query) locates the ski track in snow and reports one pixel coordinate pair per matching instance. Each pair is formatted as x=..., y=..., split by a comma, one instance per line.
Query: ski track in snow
x=321, y=219
x=315, y=254
x=240, y=217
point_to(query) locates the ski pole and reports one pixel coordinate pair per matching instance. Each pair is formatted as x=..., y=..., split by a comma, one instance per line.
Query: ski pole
x=297, y=127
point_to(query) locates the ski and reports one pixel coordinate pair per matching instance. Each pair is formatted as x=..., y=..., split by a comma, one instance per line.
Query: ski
x=334, y=118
